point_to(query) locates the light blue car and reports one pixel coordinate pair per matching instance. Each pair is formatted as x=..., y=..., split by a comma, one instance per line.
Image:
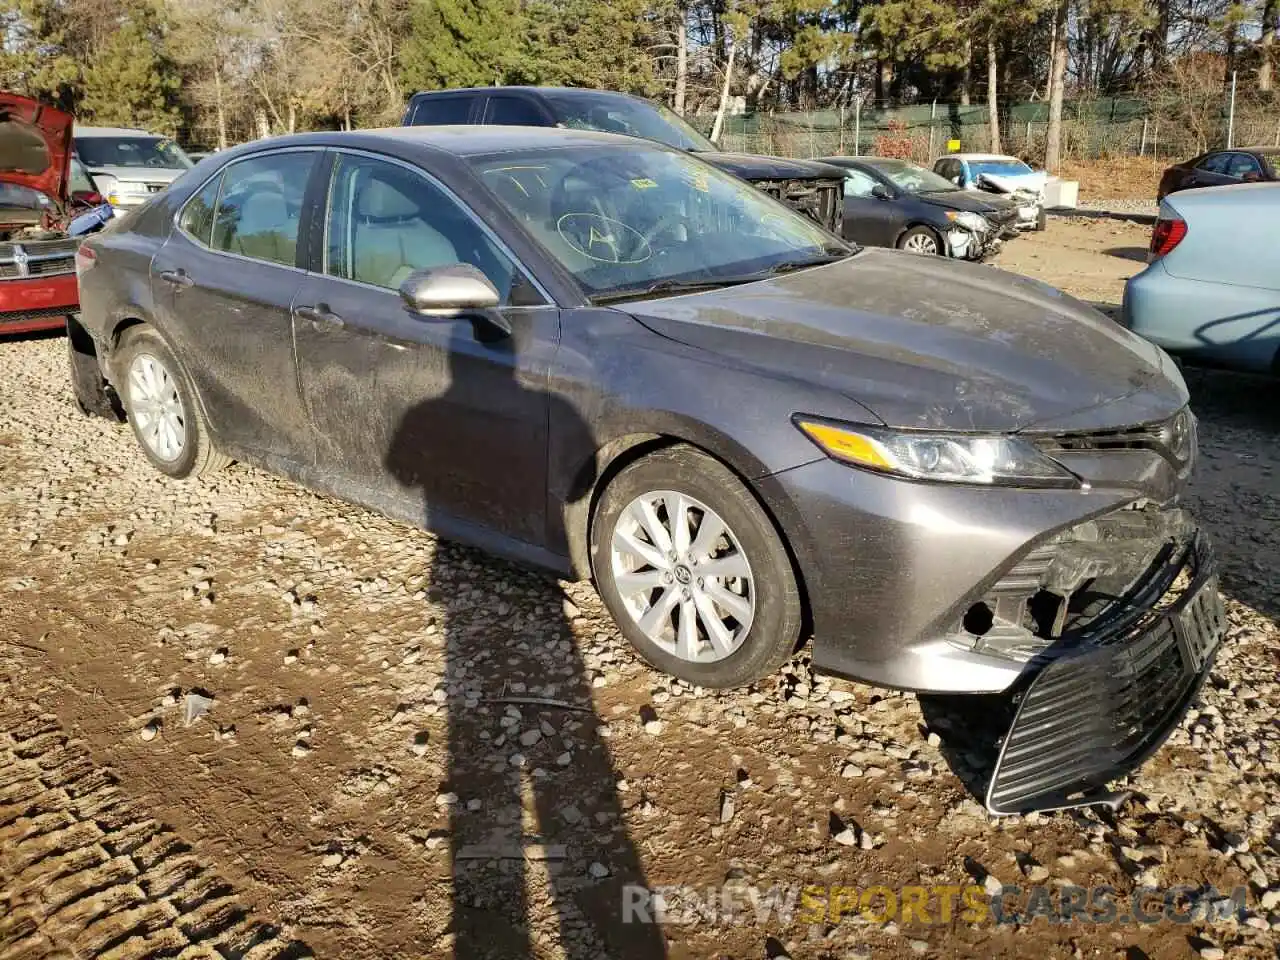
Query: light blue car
x=1211, y=293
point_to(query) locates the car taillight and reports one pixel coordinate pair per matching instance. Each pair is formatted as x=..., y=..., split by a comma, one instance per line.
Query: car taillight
x=86, y=257
x=1167, y=235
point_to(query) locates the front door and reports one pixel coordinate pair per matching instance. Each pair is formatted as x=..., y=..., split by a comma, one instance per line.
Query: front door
x=868, y=219
x=224, y=282
x=420, y=416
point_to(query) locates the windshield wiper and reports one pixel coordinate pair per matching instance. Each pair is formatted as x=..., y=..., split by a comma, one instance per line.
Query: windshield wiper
x=787, y=266
x=663, y=287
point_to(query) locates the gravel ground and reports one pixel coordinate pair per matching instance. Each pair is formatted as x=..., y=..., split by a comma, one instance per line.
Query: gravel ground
x=371, y=743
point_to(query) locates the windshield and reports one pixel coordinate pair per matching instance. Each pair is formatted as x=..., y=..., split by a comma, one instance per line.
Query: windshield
x=911, y=178
x=612, y=113
x=1000, y=168
x=131, y=152
x=624, y=219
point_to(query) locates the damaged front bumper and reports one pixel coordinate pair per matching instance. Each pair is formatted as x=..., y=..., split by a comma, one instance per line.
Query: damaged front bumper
x=1091, y=617
x=1097, y=704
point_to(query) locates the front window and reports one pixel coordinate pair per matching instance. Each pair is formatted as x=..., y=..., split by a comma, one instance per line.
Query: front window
x=131, y=152
x=1000, y=168
x=624, y=220
x=912, y=178
x=615, y=113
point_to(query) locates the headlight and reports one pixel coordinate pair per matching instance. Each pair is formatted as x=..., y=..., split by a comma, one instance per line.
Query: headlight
x=952, y=458
x=970, y=221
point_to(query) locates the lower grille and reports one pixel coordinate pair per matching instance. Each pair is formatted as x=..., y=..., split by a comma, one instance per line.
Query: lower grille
x=1096, y=712
x=1118, y=564
x=26, y=316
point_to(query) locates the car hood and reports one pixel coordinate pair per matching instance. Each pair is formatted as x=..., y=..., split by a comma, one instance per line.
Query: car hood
x=35, y=145
x=932, y=344
x=748, y=166
x=1012, y=183
x=966, y=200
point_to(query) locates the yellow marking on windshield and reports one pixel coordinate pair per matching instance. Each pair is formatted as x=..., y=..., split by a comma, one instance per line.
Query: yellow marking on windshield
x=644, y=183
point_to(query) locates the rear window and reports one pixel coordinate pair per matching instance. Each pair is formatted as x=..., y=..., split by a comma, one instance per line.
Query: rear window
x=433, y=111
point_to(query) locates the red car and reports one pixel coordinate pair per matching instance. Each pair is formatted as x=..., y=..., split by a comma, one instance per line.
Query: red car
x=37, y=201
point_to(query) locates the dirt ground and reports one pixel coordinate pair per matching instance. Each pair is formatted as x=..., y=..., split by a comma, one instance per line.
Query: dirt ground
x=410, y=750
x=1117, y=178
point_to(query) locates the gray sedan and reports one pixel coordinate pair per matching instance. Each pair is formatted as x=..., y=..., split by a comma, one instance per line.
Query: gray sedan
x=609, y=359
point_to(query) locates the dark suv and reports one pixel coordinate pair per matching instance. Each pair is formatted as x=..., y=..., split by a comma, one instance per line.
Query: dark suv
x=815, y=189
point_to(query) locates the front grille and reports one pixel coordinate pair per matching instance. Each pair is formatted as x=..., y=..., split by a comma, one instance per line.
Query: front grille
x=37, y=258
x=1096, y=712
x=1119, y=564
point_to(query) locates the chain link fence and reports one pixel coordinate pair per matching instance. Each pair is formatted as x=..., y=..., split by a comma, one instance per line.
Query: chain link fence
x=1173, y=125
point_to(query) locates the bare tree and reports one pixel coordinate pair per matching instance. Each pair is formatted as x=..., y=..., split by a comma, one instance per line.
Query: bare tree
x=1057, y=80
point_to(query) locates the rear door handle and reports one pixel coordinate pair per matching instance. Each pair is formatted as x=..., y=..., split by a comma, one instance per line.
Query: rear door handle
x=320, y=316
x=178, y=278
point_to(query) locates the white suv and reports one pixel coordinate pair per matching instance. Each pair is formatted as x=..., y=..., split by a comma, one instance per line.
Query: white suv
x=129, y=165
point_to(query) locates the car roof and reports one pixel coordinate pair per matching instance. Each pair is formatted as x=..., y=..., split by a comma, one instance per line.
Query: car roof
x=461, y=140
x=80, y=131
x=979, y=156
x=526, y=89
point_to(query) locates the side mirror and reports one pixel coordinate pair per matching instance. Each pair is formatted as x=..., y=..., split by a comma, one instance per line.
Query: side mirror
x=458, y=290
x=881, y=192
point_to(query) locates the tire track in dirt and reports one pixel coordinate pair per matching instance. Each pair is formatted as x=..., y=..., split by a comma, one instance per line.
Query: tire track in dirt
x=84, y=872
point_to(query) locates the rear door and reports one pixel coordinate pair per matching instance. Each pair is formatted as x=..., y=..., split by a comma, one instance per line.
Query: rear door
x=1211, y=172
x=224, y=282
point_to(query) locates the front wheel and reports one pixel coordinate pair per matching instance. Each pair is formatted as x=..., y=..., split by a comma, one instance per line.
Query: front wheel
x=693, y=570
x=161, y=407
x=920, y=240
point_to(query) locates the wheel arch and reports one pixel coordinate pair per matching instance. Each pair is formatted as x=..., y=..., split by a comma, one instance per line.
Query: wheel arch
x=129, y=322
x=612, y=457
x=924, y=224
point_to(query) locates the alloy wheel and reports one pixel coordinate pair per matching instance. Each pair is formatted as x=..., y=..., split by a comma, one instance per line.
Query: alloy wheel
x=156, y=408
x=921, y=243
x=682, y=576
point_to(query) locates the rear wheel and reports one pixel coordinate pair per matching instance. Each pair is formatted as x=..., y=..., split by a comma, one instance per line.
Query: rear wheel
x=693, y=570
x=920, y=240
x=161, y=407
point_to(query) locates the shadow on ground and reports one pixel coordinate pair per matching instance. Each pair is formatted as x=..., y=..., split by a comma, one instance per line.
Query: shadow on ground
x=1137, y=254
x=536, y=814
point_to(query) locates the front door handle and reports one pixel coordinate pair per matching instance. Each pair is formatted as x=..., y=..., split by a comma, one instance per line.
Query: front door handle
x=320, y=316
x=178, y=278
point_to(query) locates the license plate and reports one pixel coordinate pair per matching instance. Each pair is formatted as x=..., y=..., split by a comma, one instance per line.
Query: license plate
x=1027, y=213
x=1199, y=622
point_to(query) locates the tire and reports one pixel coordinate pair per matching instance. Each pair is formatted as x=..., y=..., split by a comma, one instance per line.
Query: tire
x=144, y=362
x=93, y=395
x=749, y=648
x=923, y=241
